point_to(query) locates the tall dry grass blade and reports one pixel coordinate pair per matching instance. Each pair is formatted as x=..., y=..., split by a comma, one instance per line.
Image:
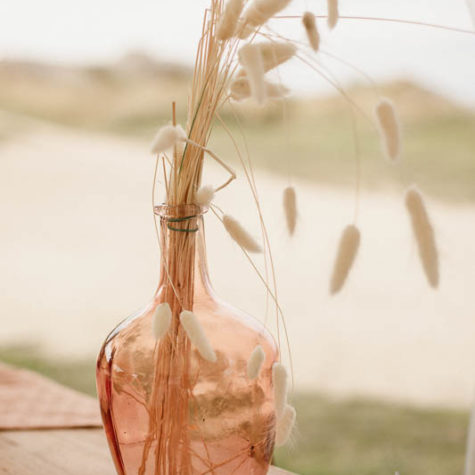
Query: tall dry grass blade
x=424, y=234
x=255, y=362
x=310, y=25
x=333, y=13
x=280, y=382
x=290, y=208
x=240, y=235
x=197, y=336
x=228, y=23
x=162, y=318
x=285, y=426
x=347, y=250
x=389, y=129
x=250, y=57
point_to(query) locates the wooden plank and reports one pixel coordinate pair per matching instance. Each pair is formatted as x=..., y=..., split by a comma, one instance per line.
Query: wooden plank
x=59, y=452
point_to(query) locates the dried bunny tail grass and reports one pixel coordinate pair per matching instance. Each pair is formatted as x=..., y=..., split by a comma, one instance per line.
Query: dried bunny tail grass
x=333, y=14
x=424, y=233
x=240, y=89
x=255, y=362
x=259, y=12
x=227, y=25
x=162, y=318
x=167, y=137
x=240, y=235
x=310, y=25
x=290, y=208
x=285, y=426
x=250, y=57
x=275, y=53
x=389, y=128
x=197, y=336
x=280, y=382
x=204, y=195
x=347, y=250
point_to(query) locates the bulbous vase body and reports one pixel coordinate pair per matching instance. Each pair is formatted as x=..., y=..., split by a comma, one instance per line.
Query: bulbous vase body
x=166, y=409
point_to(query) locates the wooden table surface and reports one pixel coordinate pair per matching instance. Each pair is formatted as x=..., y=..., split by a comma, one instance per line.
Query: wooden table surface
x=47, y=429
x=60, y=452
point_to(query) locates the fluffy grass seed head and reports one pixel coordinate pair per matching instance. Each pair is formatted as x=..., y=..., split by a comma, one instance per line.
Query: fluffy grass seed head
x=310, y=25
x=240, y=89
x=389, y=129
x=290, y=208
x=285, y=426
x=240, y=235
x=333, y=14
x=204, y=196
x=162, y=318
x=197, y=336
x=167, y=137
x=280, y=382
x=251, y=59
x=229, y=20
x=424, y=234
x=255, y=362
x=258, y=13
x=347, y=250
x=275, y=53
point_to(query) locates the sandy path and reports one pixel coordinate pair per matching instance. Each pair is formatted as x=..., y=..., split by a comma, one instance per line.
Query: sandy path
x=78, y=254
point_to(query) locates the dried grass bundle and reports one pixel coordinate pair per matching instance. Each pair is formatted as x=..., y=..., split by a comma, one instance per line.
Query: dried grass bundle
x=280, y=382
x=424, y=233
x=389, y=128
x=240, y=235
x=347, y=250
x=255, y=362
x=240, y=89
x=310, y=25
x=290, y=208
x=333, y=13
x=250, y=57
x=197, y=335
x=259, y=12
x=162, y=318
x=167, y=137
x=227, y=25
x=204, y=196
x=285, y=426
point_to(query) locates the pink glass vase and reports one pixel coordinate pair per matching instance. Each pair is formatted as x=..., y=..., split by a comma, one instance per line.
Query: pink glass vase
x=165, y=409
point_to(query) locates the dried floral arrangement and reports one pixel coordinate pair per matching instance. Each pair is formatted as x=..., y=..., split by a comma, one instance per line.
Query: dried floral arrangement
x=237, y=49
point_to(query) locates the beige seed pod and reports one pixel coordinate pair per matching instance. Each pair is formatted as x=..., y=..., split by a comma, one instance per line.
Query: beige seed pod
x=258, y=13
x=250, y=57
x=162, y=318
x=227, y=25
x=333, y=14
x=255, y=362
x=197, y=336
x=240, y=235
x=167, y=137
x=275, y=53
x=204, y=196
x=424, y=233
x=290, y=208
x=310, y=25
x=347, y=250
x=280, y=382
x=285, y=426
x=240, y=89
x=389, y=129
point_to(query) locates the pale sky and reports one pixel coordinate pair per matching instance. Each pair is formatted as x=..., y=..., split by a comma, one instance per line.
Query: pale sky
x=103, y=30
